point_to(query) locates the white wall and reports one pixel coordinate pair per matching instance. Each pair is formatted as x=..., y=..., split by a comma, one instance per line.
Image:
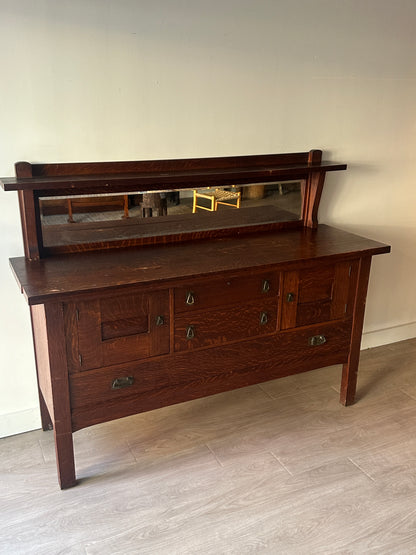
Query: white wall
x=136, y=79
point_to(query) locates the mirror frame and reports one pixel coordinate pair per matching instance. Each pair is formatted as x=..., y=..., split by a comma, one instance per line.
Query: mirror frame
x=34, y=181
x=113, y=217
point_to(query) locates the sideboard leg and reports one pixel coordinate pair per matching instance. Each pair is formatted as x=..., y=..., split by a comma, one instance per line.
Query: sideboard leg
x=348, y=383
x=65, y=462
x=44, y=414
x=49, y=336
x=350, y=368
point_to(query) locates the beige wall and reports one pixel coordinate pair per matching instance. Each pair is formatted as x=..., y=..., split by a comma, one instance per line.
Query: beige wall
x=135, y=79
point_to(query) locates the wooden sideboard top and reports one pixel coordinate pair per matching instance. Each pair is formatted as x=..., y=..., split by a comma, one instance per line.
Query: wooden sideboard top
x=57, y=278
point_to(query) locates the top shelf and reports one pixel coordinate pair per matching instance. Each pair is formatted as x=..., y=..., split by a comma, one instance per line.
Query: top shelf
x=155, y=175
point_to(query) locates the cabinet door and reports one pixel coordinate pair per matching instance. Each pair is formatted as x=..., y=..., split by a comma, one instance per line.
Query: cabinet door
x=318, y=294
x=113, y=330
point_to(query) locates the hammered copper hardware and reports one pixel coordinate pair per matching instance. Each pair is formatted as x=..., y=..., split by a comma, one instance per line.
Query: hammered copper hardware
x=119, y=383
x=317, y=340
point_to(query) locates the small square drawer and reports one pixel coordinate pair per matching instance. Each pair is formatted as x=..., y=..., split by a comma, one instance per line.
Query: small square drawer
x=111, y=330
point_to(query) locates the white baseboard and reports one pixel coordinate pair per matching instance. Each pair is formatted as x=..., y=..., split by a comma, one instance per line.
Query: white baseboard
x=388, y=335
x=19, y=422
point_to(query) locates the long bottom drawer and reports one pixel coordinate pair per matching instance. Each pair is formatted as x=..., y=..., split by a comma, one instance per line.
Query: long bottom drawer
x=117, y=391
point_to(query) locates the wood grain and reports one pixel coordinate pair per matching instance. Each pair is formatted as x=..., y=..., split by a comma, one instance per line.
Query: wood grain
x=151, y=174
x=227, y=290
x=233, y=323
x=61, y=277
x=185, y=376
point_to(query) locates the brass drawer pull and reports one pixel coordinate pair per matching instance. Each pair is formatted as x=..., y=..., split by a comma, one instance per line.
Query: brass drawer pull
x=160, y=320
x=119, y=383
x=266, y=286
x=264, y=318
x=290, y=297
x=190, y=332
x=190, y=299
x=317, y=340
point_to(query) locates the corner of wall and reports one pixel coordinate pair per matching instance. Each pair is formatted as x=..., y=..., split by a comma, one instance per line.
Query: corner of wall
x=19, y=422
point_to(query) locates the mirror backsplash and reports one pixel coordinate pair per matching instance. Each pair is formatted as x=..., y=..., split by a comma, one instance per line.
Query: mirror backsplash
x=81, y=219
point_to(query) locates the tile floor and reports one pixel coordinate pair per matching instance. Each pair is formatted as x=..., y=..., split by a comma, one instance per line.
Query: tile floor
x=279, y=468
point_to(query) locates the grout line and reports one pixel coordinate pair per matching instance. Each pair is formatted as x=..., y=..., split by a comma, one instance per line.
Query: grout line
x=42, y=451
x=283, y=396
x=360, y=469
x=281, y=464
x=408, y=394
x=131, y=451
x=265, y=392
x=214, y=455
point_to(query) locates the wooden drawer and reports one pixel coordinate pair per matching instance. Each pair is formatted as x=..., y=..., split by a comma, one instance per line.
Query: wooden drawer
x=318, y=294
x=216, y=326
x=112, y=330
x=192, y=374
x=202, y=294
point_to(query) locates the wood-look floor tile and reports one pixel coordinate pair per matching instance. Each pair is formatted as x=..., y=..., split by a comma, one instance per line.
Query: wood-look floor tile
x=24, y=448
x=94, y=454
x=393, y=461
x=236, y=510
x=221, y=404
x=276, y=468
x=312, y=425
x=302, y=450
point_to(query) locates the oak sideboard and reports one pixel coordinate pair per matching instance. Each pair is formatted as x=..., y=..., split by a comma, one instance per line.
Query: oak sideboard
x=133, y=310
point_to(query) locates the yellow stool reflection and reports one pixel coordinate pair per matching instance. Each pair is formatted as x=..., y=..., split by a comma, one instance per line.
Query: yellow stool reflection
x=215, y=197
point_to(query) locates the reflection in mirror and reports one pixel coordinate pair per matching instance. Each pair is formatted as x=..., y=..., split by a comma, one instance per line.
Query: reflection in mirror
x=93, y=218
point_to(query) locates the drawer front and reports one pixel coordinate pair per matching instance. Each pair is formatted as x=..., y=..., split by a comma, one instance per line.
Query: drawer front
x=318, y=294
x=117, y=329
x=202, y=294
x=146, y=385
x=217, y=326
